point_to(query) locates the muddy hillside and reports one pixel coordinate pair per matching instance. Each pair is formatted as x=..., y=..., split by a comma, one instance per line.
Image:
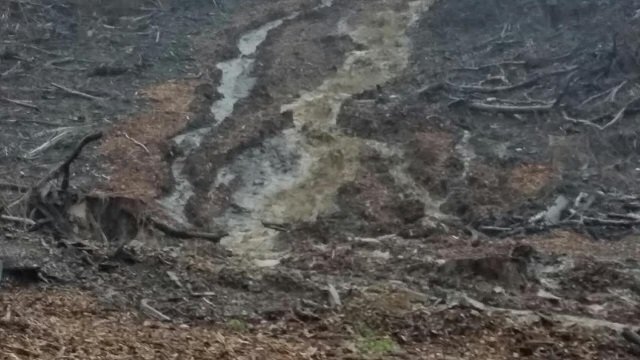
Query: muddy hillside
x=319, y=179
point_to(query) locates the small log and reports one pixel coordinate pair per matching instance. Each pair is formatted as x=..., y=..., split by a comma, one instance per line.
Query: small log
x=186, y=234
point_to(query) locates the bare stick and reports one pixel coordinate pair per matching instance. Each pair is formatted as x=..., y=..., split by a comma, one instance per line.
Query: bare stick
x=21, y=103
x=512, y=109
x=617, y=117
x=186, y=234
x=486, y=66
x=13, y=187
x=39, y=49
x=489, y=90
x=59, y=61
x=581, y=121
x=614, y=92
x=76, y=92
x=137, y=143
x=49, y=143
x=149, y=310
x=16, y=219
x=64, y=167
x=12, y=70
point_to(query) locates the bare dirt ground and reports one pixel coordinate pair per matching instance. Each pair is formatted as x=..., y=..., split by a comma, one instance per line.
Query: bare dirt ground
x=349, y=179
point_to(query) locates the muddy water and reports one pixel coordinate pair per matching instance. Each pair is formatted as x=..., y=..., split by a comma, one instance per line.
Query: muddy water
x=466, y=152
x=235, y=85
x=295, y=176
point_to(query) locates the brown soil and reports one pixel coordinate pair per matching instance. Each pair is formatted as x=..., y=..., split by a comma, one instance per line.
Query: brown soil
x=135, y=149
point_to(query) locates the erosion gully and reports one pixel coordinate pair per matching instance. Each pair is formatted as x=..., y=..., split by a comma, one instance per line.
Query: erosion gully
x=295, y=175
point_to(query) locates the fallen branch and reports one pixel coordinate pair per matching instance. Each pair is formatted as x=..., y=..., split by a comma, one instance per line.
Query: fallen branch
x=53, y=62
x=529, y=316
x=64, y=167
x=149, y=310
x=47, y=144
x=486, y=66
x=616, y=117
x=611, y=92
x=631, y=336
x=16, y=219
x=276, y=226
x=607, y=222
x=619, y=115
x=511, y=109
x=137, y=143
x=186, y=234
x=614, y=92
x=76, y=92
x=12, y=70
x=13, y=187
x=495, y=229
x=526, y=83
x=581, y=121
x=21, y=103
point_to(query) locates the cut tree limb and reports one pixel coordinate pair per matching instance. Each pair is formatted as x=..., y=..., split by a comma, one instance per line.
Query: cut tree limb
x=63, y=169
x=149, y=310
x=13, y=187
x=16, y=219
x=76, y=92
x=530, y=316
x=186, y=234
x=510, y=109
x=21, y=103
x=47, y=144
x=143, y=146
x=616, y=117
x=631, y=336
x=65, y=166
x=526, y=83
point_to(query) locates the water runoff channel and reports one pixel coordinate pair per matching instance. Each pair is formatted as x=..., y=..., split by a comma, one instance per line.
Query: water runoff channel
x=295, y=175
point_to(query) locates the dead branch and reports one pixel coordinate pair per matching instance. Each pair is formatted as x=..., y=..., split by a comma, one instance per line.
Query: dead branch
x=76, y=92
x=47, y=144
x=12, y=70
x=276, y=226
x=617, y=116
x=137, y=143
x=13, y=187
x=149, y=310
x=511, y=109
x=527, y=315
x=620, y=114
x=526, y=83
x=614, y=91
x=631, y=336
x=53, y=62
x=186, y=234
x=487, y=66
x=495, y=228
x=605, y=222
x=64, y=167
x=581, y=121
x=20, y=103
x=16, y=219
